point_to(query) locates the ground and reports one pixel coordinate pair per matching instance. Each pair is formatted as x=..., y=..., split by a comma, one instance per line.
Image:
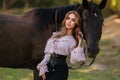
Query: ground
x=112, y=30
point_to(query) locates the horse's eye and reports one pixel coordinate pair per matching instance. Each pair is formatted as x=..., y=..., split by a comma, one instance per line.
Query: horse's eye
x=95, y=14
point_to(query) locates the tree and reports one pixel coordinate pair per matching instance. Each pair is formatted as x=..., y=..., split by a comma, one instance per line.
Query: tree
x=27, y=3
x=7, y=4
x=115, y=6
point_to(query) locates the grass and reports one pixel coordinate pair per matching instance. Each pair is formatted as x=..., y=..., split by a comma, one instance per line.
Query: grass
x=106, y=67
x=95, y=75
x=15, y=74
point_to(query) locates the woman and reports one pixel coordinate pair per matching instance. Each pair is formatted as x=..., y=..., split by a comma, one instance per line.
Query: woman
x=59, y=46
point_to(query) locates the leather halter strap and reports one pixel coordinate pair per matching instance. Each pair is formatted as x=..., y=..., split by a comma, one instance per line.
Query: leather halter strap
x=56, y=24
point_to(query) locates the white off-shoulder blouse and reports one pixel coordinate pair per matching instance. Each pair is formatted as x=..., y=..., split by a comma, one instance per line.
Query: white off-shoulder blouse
x=62, y=46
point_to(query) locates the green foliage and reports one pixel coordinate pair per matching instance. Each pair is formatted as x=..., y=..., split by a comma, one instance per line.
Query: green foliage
x=75, y=1
x=1, y=3
x=115, y=5
x=112, y=7
x=33, y=3
x=18, y=4
x=49, y=3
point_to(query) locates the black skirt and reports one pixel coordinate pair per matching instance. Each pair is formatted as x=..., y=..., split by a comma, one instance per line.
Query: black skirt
x=57, y=68
x=57, y=63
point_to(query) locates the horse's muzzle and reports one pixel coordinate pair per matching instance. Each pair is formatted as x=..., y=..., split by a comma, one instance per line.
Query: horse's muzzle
x=92, y=52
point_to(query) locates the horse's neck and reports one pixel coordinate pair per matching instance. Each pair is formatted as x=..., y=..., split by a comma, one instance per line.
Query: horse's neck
x=46, y=17
x=61, y=11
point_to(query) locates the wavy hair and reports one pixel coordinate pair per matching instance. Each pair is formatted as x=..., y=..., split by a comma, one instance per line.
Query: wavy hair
x=63, y=30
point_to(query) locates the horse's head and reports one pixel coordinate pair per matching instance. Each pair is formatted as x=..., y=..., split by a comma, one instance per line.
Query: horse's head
x=92, y=25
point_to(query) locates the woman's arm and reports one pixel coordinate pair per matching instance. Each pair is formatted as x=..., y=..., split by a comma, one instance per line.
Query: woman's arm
x=44, y=61
x=77, y=53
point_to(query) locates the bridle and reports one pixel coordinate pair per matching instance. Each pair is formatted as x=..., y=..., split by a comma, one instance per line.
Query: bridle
x=56, y=24
x=85, y=48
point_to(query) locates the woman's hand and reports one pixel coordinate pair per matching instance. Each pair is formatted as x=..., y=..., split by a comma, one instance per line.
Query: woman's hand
x=43, y=76
x=80, y=37
x=42, y=71
x=39, y=66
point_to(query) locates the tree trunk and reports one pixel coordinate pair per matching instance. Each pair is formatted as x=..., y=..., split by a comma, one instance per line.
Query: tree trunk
x=4, y=7
x=27, y=4
x=7, y=4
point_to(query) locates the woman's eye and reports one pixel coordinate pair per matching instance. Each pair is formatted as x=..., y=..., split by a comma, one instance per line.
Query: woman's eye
x=67, y=18
x=73, y=20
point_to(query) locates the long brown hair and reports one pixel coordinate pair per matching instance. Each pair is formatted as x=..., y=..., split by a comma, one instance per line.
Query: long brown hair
x=63, y=29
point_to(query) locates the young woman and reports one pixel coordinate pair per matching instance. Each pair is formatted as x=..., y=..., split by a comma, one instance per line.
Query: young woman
x=59, y=46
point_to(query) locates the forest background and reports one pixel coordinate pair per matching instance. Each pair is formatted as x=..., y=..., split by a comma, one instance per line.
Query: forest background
x=113, y=6
x=107, y=63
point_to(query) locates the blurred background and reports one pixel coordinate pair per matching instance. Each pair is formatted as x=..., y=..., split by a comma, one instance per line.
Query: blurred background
x=107, y=64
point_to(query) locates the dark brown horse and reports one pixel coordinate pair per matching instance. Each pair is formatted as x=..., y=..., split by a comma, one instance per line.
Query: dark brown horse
x=23, y=38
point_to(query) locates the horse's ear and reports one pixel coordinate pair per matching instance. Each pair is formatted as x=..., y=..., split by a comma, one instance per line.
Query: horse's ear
x=85, y=4
x=102, y=4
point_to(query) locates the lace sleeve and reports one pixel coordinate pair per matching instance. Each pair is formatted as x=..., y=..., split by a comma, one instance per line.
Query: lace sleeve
x=43, y=70
x=44, y=61
x=77, y=54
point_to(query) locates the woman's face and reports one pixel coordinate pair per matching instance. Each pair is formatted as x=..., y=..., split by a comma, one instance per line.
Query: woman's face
x=70, y=21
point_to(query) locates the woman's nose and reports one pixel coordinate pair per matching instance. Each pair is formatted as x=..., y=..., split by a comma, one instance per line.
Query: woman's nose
x=69, y=21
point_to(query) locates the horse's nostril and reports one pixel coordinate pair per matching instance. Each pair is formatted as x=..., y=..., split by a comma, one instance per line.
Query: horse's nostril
x=92, y=52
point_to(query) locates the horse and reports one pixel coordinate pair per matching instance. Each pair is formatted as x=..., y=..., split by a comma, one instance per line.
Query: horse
x=92, y=22
x=23, y=37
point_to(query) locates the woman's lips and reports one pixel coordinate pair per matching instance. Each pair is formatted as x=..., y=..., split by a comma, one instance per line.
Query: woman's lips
x=68, y=25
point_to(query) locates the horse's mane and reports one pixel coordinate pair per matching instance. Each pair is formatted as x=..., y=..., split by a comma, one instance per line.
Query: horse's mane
x=47, y=15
